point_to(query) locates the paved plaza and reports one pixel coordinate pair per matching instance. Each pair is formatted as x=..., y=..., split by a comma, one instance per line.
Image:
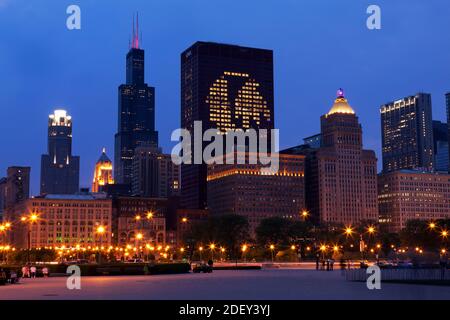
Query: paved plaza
x=253, y=284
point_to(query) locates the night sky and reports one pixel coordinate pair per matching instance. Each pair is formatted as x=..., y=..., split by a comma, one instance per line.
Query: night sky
x=318, y=46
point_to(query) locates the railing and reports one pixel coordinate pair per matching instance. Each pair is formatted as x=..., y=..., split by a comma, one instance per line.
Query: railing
x=401, y=274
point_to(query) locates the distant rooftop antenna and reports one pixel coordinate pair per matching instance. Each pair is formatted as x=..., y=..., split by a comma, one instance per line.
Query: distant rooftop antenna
x=135, y=41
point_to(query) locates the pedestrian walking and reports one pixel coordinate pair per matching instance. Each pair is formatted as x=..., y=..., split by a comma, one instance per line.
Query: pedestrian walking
x=33, y=271
x=45, y=272
x=328, y=264
x=317, y=261
x=331, y=264
x=25, y=272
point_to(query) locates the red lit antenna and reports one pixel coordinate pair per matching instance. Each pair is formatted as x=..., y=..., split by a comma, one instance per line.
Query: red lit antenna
x=135, y=37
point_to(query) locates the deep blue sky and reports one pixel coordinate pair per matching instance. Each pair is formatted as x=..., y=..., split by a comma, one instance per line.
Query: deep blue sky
x=318, y=46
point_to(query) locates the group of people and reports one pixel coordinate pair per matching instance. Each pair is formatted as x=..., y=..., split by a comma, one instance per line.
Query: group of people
x=325, y=264
x=30, y=271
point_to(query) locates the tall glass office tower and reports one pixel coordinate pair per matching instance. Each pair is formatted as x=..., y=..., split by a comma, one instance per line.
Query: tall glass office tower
x=136, y=114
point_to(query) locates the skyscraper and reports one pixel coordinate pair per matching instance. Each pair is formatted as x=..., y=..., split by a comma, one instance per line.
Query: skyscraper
x=59, y=169
x=440, y=145
x=225, y=87
x=407, y=133
x=102, y=173
x=154, y=173
x=447, y=100
x=341, y=176
x=14, y=188
x=136, y=116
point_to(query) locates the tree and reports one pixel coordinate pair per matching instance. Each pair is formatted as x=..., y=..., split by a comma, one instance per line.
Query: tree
x=229, y=231
x=419, y=233
x=273, y=231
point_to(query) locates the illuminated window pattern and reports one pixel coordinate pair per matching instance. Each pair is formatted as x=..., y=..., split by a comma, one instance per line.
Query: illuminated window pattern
x=249, y=108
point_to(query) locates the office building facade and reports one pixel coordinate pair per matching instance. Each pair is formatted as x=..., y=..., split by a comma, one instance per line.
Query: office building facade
x=154, y=173
x=411, y=194
x=225, y=87
x=246, y=190
x=440, y=145
x=447, y=102
x=407, y=133
x=63, y=220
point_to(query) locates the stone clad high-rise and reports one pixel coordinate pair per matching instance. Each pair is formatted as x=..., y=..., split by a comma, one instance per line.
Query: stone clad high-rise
x=341, y=175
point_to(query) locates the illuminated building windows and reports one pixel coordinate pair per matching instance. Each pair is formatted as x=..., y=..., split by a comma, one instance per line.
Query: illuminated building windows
x=249, y=105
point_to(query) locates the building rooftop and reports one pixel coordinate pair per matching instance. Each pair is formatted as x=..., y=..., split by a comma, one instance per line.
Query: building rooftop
x=341, y=105
x=90, y=196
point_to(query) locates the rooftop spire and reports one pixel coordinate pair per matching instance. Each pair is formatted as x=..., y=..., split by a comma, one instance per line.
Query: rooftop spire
x=135, y=41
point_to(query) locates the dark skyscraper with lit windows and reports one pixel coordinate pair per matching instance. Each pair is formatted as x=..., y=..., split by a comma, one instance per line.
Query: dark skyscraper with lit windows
x=407, y=134
x=60, y=170
x=225, y=87
x=136, y=116
x=447, y=101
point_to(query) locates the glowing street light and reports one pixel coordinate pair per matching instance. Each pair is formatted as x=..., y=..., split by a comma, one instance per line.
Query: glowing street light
x=100, y=230
x=432, y=225
x=349, y=231
x=371, y=230
x=444, y=233
x=184, y=220
x=272, y=248
x=212, y=246
x=293, y=247
x=305, y=214
x=139, y=236
x=149, y=215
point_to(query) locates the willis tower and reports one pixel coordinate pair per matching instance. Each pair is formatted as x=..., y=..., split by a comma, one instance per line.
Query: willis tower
x=136, y=116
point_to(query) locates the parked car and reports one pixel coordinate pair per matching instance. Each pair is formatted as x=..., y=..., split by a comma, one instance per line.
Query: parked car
x=202, y=267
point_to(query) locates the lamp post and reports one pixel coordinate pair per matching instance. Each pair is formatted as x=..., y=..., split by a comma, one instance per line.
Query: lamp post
x=200, y=250
x=271, y=247
x=244, y=250
x=30, y=220
x=139, y=237
x=100, y=230
x=212, y=246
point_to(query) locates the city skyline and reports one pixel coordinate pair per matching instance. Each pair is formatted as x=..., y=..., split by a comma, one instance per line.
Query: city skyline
x=299, y=100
